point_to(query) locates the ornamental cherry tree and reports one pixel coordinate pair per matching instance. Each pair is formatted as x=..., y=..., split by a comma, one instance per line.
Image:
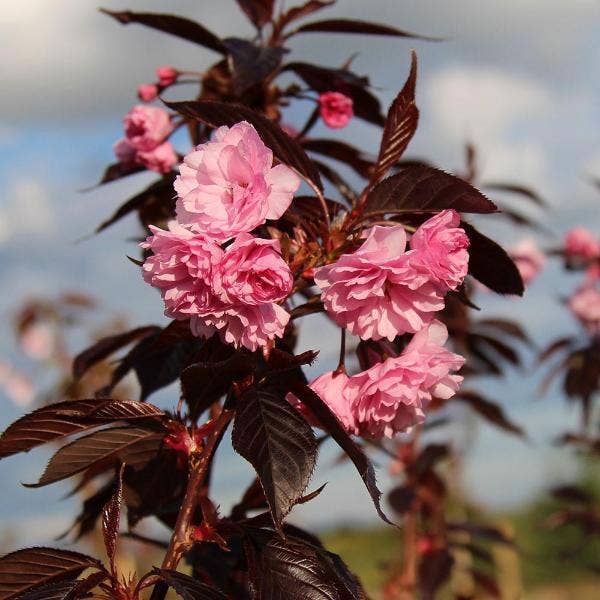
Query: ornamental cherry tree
x=248, y=230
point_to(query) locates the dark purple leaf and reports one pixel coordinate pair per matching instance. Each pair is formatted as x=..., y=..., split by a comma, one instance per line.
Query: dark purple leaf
x=303, y=10
x=401, y=498
x=187, y=587
x=23, y=570
x=491, y=265
x=135, y=446
x=360, y=27
x=251, y=64
x=515, y=189
x=556, y=346
x=104, y=347
x=434, y=570
x=270, y=434
x=259, y=12
x=400, y=125
x=484, y=532
x=332, y=425
x=117, y=171
x=66, y=418
x=285, y=148
x=174, y=25
x=426, y=189
x=61, y=590
x=342, y=152
x=490, y=411
x=573, y=494
x=160, y=191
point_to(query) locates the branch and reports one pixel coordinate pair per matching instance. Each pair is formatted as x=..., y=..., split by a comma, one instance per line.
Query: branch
x=198, y=464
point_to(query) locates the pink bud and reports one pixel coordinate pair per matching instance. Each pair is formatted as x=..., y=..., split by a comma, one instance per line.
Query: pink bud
x=336, y=109
x=147, y=92
x=166, y=75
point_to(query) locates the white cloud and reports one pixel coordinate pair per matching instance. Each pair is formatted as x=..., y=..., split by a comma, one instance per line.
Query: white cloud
x=27, y=211
x=480, y=103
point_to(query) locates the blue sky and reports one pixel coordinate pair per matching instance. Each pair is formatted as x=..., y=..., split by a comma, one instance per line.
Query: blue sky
x=515, y=77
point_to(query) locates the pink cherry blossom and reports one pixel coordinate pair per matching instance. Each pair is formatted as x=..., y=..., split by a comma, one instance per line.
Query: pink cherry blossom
x=229, y=185
x=166, y=75
x=581, y=243
x=376, y=292
x=160, y=159
x=585, y=306
x=17, y=386
x=253, y=272
x=393, y=395
x=125, y=152
x=338, y=391
x=441, y=250
x=146, y=127
x=243, y=325
x=183, y=267
x=336, y=109
x=147, y=92
x=529, y=259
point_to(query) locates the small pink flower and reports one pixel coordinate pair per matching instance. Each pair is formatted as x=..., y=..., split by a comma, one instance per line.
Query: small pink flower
x=166, y=76
x=146, y=127
x=393, y=395
x=38, y=341
x=529, y=260
x=338, y=391
x=160, y=159
x=376, y=292
x=585, y=305
x=253, y=272
x=441, y=250
x=592, y=273
x=580, y=243
x=17, y=386
x=147, y=92
x=229, y=185
x=183, y=268
x=336, y=109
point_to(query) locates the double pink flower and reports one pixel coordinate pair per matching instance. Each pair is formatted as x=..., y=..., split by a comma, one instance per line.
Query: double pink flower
x=227, y=187
x=146, y=132
x=392, y=395
x=382, y=290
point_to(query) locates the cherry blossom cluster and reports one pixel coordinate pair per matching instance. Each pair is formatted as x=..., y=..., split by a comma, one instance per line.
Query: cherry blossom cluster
x=226, y=188
x=212, y=271
x=145, y=142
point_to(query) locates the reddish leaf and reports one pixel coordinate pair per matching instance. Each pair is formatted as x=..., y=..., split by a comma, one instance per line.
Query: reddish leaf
x=285, y=148
x=104, y=347
x=572, y=493
x=111, y=518
x=491, y=265
x=270, y=434
x=332, y=425
x=65, y=418
x=132, y=445
x=434, y=570
x=510, y=328
x=400, y=125
x=178, y=26
x=23, y=570
x=490, y=411
x=258, y=11
x=556, y=346
x=357, y=26
x=425, y=189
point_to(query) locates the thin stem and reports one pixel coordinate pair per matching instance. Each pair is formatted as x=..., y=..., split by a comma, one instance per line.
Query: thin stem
x=341, y=368
x=198, y=465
